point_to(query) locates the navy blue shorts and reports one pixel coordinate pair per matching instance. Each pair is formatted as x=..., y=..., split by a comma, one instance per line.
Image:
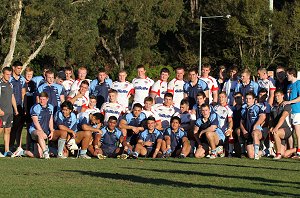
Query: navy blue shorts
x=109, y=150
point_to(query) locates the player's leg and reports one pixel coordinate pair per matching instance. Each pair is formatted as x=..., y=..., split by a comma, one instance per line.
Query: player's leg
x=186, y=148
x=61, y=136
x=256, y=136
x=297, y=130
x=278, y=137
x=40, y=137
x=83, y=137
x=213, y=140
x=201, y=151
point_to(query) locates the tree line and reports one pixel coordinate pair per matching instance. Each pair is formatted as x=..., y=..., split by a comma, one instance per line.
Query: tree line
x=118, y=34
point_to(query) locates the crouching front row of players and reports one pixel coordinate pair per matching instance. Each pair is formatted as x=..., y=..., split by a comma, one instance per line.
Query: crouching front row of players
x=138, y=135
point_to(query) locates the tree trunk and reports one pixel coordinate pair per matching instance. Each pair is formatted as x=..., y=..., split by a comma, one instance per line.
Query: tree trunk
x=45, y=38
x=104, y=44
x=15, y=27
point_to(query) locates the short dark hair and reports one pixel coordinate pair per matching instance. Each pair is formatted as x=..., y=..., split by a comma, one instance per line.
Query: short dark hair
x=68, y=69
x=151, y=118
x=137, y=105
x=112, y=91
x=67, y=104
x=201, y=93
x=165, y=70
x=140, y=66
x=148, y=98
x=292, y=71
x=101, y=70
x=6, y=69
x=43, y=94
x=99, y=116
x=170, y=95
x=278, y=91
x=234, y=67
x=93, y=97
x=113, y=118
x=250, y=93
x=237, y=93
x=17, y=63
x=205, y=105
x=175, y=118
x=263, y=90
x=184, y=102
x=193, y=70
x=223, y=92
x=85, y=82
x=206, y=65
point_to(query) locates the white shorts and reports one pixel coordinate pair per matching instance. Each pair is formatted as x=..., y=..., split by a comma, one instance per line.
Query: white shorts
x=295, y=118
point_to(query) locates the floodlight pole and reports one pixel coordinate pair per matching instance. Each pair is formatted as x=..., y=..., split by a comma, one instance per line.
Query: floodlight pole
x=200, y=37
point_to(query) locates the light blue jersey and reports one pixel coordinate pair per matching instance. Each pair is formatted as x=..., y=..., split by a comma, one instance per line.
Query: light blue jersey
x=293, y=93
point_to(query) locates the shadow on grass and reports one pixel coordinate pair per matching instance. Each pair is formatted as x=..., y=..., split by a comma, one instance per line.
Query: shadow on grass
x=166, y=182
x=229, y=165
x=205, y=174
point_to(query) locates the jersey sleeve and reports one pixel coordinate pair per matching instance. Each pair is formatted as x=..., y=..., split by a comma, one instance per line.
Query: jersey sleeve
x=214, y=119
x=171, y=86
x=35, y=111
x=156, y=88
x=215, y=86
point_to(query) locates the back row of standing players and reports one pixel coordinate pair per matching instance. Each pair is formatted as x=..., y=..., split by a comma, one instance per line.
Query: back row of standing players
x=194, y=117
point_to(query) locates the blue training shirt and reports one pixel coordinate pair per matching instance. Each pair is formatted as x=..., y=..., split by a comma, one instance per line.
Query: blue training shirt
x=17, y=88
x=176, y=138
x=70, y=122
x=213, y=120
x=152, y=137
x=134, y=121
x=250, y=115
x=293, y=93
x=192, y=91
x=54, y=92
x=251, y=87
x=111, y=138
x=44, y=114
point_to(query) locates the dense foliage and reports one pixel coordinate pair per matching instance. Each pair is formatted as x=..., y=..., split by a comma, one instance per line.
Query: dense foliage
x=124, y=33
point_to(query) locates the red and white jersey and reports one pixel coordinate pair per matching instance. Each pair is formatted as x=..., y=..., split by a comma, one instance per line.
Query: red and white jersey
x=75, y=87
x=267, y=84
x=186, y=119
x=151, y=113
x=67, y=85
x=160, y=88
x=124, y=89
x=175, y=87
x=80, y=102
x=212, y=86
x=224, y=112
x=112, y=109
x=164, y=113
x=89, y=111
x=141, y=89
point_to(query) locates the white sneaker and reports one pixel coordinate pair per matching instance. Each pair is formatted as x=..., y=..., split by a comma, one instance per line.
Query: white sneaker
x=46, y=155
x=71, y=145
x=220, y=151
x=61, y=157
x=1, y=155
x=256, y=157
x=84, y=156
x=18, y=153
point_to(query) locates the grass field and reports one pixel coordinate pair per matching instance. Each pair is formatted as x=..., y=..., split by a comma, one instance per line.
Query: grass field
x=226, y=177
x=190, y=177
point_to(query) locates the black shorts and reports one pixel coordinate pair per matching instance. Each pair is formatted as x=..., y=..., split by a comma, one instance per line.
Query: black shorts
x=7, y=120
x=132, y=140
x=109, y=150
x=287, y=133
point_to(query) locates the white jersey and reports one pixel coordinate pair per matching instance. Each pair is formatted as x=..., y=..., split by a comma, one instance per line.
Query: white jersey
x=229, y=88
x=176, y=88
x=89, y=111
x=159, y=88
x=164, y=113
x=80, y=102
x=151, y=113
x=141, y=89
x=267, y=84
x=112, y=109
x=212, y=86
x=124, y=89
x=75, y=87
x=224, y=112
x=186, y=119
x=67, y=85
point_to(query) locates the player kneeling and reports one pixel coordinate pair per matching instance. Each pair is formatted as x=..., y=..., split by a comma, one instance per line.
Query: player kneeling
x=111, y=139
x=149, y=141
x=207, y=132
x=176, y=143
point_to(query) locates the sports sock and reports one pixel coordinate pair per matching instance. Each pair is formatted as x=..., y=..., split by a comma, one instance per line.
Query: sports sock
x=256, y=149
x=61, y=143
x=231, y=145
x=83, y=152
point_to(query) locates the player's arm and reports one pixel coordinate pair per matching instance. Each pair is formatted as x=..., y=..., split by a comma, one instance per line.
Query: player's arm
x=87, y=127
x=168, y=141
x=243, y=129
x=215, y=96
x=14, y=104
x=280, y=121
x=209, y=129
x=69, y=131
x=296, y=100
x=51, y=127
x=271, y=97
x=123, y=125
x=228, y=132
x=260, y=121
x=36, y=123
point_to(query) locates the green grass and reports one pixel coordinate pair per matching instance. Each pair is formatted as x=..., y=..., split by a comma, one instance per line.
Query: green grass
x=190, y=177
x=24, y=177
